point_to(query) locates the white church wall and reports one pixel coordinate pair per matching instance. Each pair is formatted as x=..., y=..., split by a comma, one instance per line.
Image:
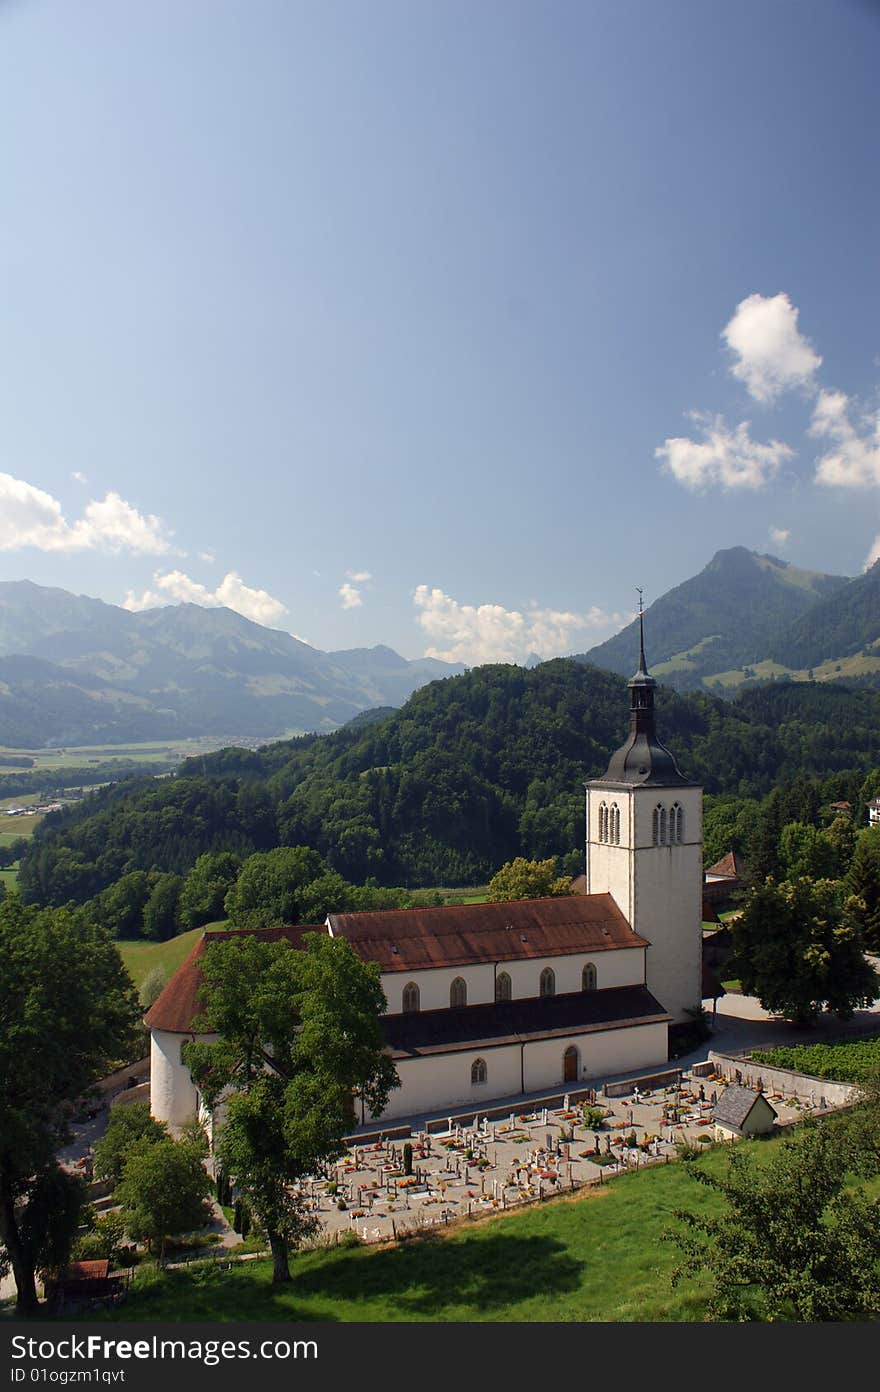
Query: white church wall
x=600, y=1053
x=173, y=1094
x=439, y=1081
x=669, y=900
x=434, y=985
x=614, y=967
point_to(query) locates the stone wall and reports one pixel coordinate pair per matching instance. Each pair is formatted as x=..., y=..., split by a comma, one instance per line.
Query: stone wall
x=819, y=1092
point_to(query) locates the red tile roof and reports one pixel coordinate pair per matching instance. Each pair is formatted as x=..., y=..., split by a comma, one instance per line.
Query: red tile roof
x=464, y=934
x=180, y=1002
x=729, y=867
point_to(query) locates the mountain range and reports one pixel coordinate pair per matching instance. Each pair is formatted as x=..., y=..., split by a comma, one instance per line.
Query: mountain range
x=74, y=670
x=748, y=617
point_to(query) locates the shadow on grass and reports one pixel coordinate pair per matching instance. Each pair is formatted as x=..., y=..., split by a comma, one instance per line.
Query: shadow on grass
x=421, y=1278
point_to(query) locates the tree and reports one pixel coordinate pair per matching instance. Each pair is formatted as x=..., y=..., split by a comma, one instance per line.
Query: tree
x=794, y=1242
x=300, y=1036
x=270, y=886
x=152, y=986
x=798, y=948
x=160, y=910
x=163, y=1190
x=528, y=879
x=804, y=850
x=130, y=1125
x=206, y=886
x=863, y=880
x=68, y=1014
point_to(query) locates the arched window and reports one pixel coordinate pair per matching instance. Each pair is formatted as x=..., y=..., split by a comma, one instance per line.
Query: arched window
x=548, y=982
x=570, y=1065
x=603, y=821
x=676, y=823
x=478, y=1071
x=588, y=980
x=458, y=992
x=502, y=987
x=614, y=835
x=660, y=826
x=410, y=998
x=655, y=826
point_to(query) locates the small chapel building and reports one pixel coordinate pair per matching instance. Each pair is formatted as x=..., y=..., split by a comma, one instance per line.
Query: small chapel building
x=488, y=1001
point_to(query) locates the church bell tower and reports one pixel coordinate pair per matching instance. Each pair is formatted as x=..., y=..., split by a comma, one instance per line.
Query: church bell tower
x=645, y=848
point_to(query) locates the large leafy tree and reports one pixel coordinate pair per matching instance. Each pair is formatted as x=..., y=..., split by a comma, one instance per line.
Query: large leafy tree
x=793, y=1242
x=300, y=1038
x=67, y=1014
x=163, y=1190
x=270, y=887
x=529, y=879
x=798, y=947
x=863, y=880
x=129, y=1127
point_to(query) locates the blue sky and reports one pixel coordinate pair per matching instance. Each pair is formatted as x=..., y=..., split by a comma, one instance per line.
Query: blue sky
x=436, y=324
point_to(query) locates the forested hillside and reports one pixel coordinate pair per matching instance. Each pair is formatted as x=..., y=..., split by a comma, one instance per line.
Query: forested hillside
x=844, y=623
x=473, y=771
x=728, y=615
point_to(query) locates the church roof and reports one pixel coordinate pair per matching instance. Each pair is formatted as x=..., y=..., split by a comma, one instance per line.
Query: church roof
x=180, y=1003
x=458, y=935
x=510, y=1022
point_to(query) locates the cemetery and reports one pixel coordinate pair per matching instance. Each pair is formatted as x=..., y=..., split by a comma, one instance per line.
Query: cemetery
x=387, y=1186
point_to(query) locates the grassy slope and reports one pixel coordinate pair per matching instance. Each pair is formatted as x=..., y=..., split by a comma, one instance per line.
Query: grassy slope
x=141, y=957
x=596, y=1257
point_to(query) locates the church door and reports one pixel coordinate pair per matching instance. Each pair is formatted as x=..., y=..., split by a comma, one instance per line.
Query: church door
x=570, y=1065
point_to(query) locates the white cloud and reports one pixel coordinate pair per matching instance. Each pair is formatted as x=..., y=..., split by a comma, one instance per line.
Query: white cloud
x=490, y=633
x=175, y=587
x=727, y=457
x=31, y=517
x=360, y=577
x=779, y=535
x=771, y=354
x=853, y=461
x=350, y=596
x=78, y=477
x=207, y=556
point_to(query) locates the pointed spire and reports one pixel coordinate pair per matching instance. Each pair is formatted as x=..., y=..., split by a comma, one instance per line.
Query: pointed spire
x=643, y=666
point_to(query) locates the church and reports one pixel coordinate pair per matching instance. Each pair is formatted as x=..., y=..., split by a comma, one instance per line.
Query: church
x=487, y=1001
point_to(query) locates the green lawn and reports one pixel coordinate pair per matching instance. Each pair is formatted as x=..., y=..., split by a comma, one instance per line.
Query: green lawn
x=141, y=957
x=595, y=1257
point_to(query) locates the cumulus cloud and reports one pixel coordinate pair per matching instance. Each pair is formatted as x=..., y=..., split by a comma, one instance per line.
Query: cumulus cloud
x=78, y=477
x=853, y=458
x=771, y=355
x=207, y=556
x=175, y=587
x=360, y=577
x=31, y=517
x=727, y=457
x=779, y=535
x=350, y=596
x=490, y=633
